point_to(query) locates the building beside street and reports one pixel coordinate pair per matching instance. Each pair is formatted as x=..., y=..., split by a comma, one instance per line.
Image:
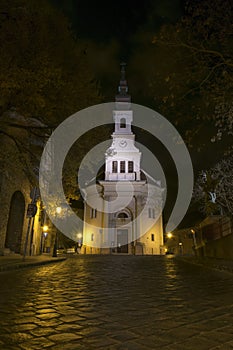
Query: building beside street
x=181, y=242
x=211, y=237
x=20, y=207
x=214, y=236
x=136, y=228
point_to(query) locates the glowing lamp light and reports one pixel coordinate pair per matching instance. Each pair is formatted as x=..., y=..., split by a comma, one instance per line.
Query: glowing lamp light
x=58, y=210
x=169, y=235
x=45, y=228
x=79, y=235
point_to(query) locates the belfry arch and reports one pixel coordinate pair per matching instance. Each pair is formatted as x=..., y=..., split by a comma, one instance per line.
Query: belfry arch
x=122, y=123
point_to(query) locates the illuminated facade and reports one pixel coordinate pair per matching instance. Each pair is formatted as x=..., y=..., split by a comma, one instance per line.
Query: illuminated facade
x=137, y=227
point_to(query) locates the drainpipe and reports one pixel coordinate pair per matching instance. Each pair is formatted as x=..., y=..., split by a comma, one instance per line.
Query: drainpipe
x=102, y=216
x=135, y=224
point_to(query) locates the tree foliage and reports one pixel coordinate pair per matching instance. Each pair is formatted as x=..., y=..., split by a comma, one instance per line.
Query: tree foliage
x=44, y=78
x=44, y=71
x=193, y=74
x=213, y=189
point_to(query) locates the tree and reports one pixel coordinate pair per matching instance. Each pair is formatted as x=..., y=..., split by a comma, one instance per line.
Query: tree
x=44, y=70
x=213, y=189
x=44, y=78
x=192, y=80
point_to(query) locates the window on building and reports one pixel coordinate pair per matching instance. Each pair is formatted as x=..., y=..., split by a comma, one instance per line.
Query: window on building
x=130, y=167
x=151, y=213
x=122, y=123
x=93, y=213
x=122, y=167
x=92, y=237
x=114, y=166
x=152, y=237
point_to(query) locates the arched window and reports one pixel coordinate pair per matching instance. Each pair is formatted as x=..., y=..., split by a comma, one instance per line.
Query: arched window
x=122, y=216
x=122, y=123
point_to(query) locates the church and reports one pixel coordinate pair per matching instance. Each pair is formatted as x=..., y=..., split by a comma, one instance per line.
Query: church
x=128, y=218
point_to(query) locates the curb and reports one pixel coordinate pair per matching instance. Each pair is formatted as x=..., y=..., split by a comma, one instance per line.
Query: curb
x=22, y=265
x=215, y=267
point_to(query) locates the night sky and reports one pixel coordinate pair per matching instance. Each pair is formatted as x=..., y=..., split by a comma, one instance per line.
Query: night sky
x=118, y=31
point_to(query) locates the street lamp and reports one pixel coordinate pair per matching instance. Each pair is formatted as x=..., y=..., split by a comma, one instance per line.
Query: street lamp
x=79, y=236
x=44, y=234
x=169, y=235
x=45, y=228
x=181, y=248
x=194, y=238
x=58, y=210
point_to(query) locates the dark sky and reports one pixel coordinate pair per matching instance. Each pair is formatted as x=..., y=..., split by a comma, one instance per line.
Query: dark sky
x=116, y=31
x=103, y=20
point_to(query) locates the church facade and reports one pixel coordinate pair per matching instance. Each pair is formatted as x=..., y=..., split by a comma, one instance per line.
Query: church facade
x=128, y=219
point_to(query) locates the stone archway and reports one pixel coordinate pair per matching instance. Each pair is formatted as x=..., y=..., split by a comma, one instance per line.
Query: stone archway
x=15, y=222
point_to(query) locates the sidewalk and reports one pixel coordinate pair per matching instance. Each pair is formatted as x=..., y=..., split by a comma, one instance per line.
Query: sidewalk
x=212, y=263
x=15, y=261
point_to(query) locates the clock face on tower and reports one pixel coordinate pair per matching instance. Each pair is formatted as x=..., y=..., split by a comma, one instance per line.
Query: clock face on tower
x=122, y=143
x=110, y=152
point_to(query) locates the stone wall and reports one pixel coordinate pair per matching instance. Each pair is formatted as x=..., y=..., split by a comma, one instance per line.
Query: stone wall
x=220, y=248
x=14, y=179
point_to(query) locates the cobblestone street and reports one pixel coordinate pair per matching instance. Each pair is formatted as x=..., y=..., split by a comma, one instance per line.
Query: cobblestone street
x=116, y=302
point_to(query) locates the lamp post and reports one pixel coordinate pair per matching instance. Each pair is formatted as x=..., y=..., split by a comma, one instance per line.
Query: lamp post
x=180, y=248
x=169, y=243
x=44, y=235
x=58, y=211
x=194, y=238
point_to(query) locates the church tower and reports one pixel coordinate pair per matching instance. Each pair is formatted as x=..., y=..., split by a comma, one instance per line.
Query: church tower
x=136, y=227
x=122, y=162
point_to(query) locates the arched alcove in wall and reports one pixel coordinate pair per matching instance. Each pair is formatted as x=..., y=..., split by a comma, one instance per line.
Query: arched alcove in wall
x=15, y=222
x=122, y=215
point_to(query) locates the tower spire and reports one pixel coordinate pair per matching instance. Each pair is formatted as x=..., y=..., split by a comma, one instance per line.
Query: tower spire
x=122, y=95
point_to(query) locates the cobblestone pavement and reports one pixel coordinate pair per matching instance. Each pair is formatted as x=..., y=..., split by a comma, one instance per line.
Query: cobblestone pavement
x=116, y=302
x=15, y=261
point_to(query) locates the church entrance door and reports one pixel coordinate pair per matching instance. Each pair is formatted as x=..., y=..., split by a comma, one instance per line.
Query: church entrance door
x=122, y=241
